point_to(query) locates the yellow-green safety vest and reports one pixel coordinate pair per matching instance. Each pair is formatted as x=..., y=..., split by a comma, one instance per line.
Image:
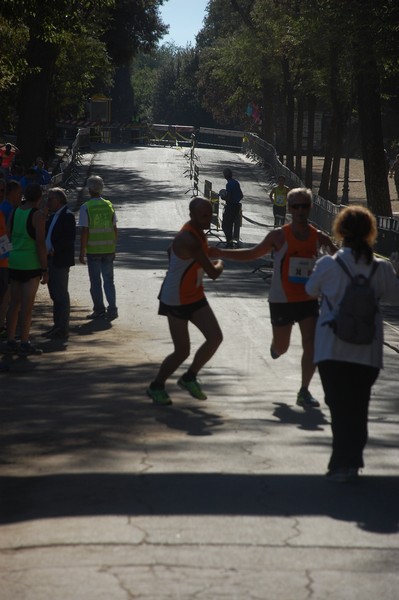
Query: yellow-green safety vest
x=101, y=227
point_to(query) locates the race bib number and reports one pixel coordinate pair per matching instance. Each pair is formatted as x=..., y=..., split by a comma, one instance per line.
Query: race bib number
x=300, y=269
x=5, y=245
x=280, y=199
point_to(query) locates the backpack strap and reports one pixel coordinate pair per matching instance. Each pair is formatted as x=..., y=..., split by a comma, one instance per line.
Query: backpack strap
x=345, y=268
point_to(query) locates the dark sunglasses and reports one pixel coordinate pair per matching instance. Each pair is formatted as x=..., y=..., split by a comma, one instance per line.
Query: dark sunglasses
x=296, y=206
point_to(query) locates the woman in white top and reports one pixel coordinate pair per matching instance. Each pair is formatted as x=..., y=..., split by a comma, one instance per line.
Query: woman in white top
x=348, y=370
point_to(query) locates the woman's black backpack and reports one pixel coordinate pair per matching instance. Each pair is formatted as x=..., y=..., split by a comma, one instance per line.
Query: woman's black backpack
x=354, y=321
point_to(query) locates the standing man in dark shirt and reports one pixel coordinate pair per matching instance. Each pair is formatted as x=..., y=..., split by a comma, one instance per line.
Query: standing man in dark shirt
x=232, y=210
x=60, y=242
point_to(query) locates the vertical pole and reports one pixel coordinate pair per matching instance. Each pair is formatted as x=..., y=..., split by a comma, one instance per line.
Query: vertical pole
x=345, y=188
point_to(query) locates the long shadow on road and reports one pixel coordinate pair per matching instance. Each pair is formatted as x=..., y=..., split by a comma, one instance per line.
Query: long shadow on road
x=371, y=504
x=87, y=410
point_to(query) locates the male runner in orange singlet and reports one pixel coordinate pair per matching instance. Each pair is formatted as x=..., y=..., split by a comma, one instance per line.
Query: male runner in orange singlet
x=182, y=300
x=295, y=247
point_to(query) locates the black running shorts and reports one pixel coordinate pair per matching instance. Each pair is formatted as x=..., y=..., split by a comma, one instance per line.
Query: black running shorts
x=183, y=311
x=288, y=313
x=24, y=275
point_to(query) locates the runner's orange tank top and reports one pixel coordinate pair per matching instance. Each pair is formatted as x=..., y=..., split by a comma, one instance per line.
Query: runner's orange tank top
x=297, y=263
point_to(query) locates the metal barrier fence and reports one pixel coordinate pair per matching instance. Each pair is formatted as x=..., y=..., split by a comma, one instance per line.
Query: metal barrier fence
x=219, y=138
x=323, y=211
x=66, y=171
x=159, y=133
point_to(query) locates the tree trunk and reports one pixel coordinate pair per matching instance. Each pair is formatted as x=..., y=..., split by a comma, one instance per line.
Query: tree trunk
x=311, y=106
x=268, y=113
x=122, y=107
x=281, y=126
x=33, y=102
x=299, y=136
x=289, y=144
x=337, y=153
x=369, y=107
x=328, y=157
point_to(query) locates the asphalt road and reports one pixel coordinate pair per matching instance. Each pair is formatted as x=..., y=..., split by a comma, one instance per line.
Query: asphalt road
x=105, y=496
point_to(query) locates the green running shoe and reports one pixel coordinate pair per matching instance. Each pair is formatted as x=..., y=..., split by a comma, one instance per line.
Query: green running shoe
x=193, y=387
x=306, y=400
x=158, y=396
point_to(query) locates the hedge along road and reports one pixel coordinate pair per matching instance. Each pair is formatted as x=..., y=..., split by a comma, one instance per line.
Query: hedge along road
x=218, y=499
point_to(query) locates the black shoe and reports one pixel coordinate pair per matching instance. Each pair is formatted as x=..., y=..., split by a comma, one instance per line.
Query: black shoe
x=11, y=347
x=112, y=313
x=343, y=475
x=57, y=333
x=96, y=314
x=49, y=332
x=28, y=349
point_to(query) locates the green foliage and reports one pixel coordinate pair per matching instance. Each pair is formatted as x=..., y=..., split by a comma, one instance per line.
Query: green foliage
x=92, y=70
x=12, y=61
x=133, y=26
x=165, y=87
x=47, y=19
x=71, y=48
x=144, y=74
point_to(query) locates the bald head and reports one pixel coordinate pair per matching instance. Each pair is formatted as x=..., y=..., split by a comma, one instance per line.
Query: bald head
x=199, y=203
x=200, y=212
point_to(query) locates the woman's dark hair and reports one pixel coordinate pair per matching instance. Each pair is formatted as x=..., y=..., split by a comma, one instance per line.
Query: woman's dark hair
x=357, y=227
x=33, y=192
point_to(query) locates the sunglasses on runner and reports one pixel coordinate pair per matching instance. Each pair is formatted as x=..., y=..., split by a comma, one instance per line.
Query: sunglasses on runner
x=296, y=206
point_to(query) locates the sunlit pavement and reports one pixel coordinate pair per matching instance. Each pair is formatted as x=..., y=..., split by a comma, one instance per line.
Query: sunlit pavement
x=105, y=496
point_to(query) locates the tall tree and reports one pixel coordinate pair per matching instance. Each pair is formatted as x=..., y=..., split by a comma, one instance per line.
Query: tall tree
x=47, y=22
x=12, y=65
x=370, y=34
x=132, y=27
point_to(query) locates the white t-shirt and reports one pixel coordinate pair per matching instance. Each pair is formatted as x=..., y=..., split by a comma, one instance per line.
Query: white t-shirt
x=329, y=279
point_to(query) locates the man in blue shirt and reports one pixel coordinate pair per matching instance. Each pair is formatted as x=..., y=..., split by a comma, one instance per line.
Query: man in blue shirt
x=232, y=209
x=43, y=175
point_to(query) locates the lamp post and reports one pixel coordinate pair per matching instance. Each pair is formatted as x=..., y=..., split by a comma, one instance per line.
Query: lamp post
x=345, y=187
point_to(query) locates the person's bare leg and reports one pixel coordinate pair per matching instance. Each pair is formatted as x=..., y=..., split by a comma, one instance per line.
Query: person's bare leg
x=29, y=290
x=13, y=309
x=4, y=306
x=179, y=331
x=307, y=327
x=281, y=340
x=205, y=320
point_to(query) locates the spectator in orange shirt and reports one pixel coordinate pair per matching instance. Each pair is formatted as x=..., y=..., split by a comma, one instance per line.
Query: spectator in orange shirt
x=8, y=153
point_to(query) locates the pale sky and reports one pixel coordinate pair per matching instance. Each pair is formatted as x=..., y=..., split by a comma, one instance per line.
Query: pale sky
x=184, y=18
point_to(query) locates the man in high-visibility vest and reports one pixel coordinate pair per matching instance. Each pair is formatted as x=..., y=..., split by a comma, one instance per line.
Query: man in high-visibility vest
x=98, y=238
